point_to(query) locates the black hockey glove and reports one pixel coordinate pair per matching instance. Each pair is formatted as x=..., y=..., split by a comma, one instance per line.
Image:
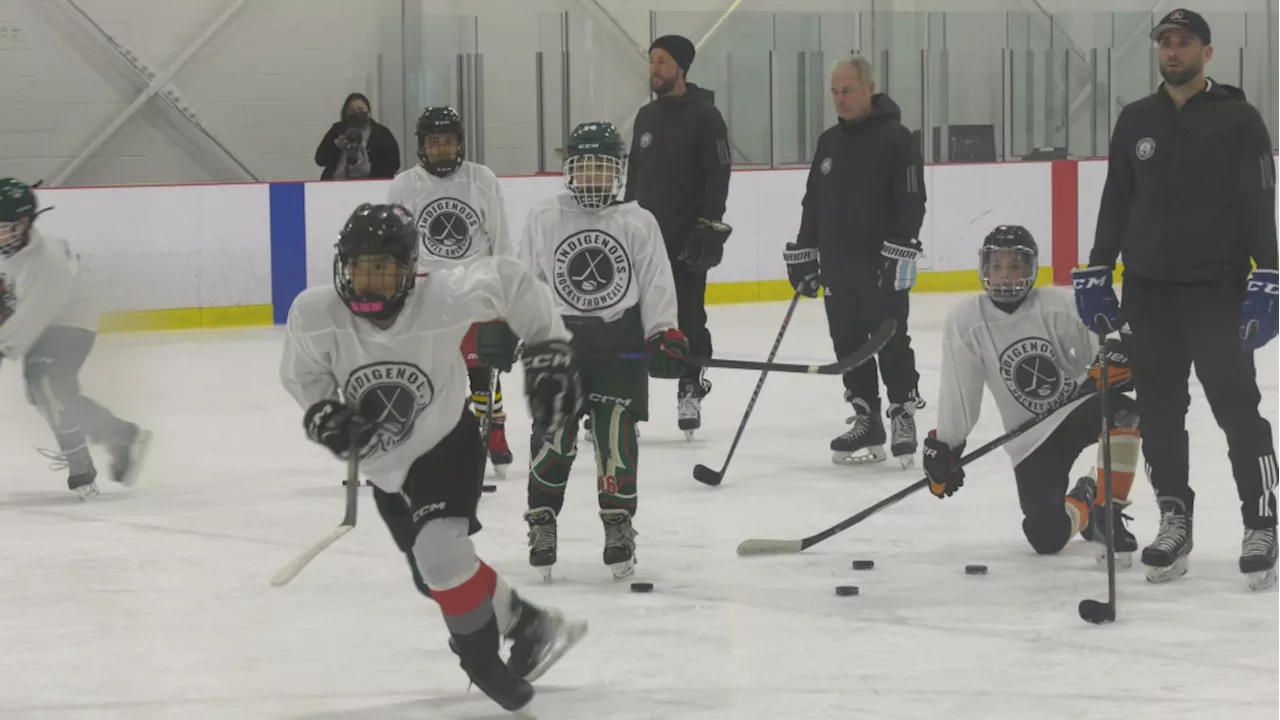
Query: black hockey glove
x=898, y=264
x=332, y=424
x=802, y=269
x=705, y=248
x=942, y=465
x=496, y=345
x=551, y=383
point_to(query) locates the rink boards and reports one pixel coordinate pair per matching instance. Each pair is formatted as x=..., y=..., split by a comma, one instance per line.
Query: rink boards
x=208, y=256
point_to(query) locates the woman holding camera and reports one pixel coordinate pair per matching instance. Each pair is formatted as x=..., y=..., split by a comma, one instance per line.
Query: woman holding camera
x=356, y=146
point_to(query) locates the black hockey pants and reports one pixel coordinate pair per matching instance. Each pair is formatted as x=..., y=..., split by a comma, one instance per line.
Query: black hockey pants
x=853, y=313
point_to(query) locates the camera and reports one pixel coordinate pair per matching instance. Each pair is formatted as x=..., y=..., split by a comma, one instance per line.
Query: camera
x=353, y=137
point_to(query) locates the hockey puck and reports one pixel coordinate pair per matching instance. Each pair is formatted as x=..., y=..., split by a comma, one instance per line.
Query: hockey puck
x=863, y=564
x=975, y=569
x=641, y=587
x=846, y=590
x=489, y=488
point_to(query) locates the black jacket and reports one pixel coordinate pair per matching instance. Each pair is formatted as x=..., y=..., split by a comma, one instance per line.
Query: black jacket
x=384, y=151
x=679, y=161
x=1190, y=194
x=866, y=185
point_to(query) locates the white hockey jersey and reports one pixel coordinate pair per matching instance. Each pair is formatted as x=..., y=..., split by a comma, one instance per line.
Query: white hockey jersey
x=409, y=377
x=1031, y=359
x=600, y=263
x=460, y=217
x=41, y=286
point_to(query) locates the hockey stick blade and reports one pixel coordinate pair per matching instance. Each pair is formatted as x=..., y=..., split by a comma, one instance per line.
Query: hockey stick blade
x=761, y=546
x=1098, y=613
x=706, y=475
x=287, y=573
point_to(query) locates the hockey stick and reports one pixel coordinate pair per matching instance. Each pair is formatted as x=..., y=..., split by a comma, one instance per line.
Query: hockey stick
x=760, y=546
x=881, y=336
x=1093, y=611
x=287, y=573
x=488, y=424
x=706, y=475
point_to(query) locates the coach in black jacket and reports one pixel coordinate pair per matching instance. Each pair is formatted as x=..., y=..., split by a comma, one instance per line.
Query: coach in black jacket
x=1188, y=203
x=863, y=207
x=679, y=171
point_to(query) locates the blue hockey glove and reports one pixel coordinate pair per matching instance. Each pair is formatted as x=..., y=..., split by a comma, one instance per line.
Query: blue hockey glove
x=898, y=263
x=1096, y=300
x=1258, y=322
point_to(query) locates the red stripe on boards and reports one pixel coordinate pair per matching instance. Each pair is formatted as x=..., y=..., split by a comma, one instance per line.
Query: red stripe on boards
x=470, y=594
x=1065, y=181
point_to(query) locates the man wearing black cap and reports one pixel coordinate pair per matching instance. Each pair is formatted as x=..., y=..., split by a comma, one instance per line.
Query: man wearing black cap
x=679, y=171
x=1189, y=201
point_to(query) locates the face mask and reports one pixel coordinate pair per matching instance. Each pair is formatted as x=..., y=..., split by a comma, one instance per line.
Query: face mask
x=357, y=118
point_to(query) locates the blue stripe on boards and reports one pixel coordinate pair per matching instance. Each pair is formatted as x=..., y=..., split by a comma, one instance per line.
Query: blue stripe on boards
x=288, y=247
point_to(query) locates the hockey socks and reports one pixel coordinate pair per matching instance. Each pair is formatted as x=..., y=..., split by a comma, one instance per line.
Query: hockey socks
x=616, y=458
x=1125, y=446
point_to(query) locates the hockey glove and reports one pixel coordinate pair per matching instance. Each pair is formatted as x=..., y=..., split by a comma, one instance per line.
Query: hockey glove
x=1095, y=299
x=942, y=465
x=1118, y=372
x=898, y=264
x=551, y=383
x=705, y=248
x=332, y=424
x=802, y=269
x=1258, y=321
x=496, y=345
x=667, y=351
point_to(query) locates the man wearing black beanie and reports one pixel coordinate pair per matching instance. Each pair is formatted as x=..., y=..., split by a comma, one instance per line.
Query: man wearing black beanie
x=679, y=171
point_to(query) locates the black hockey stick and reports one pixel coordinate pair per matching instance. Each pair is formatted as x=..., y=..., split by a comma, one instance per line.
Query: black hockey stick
x=706, y=475
x=1093, y=611
x=881, y=336
x=488, y=424
x=287, y=573
x=760, y=546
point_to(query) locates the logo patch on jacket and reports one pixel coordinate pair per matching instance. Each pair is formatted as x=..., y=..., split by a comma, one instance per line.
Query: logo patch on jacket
x=592, y=271
x=1032, y=375
x=447, y=226
x=392, y=394
x=825, y=165
x=646, y=140
x=1145, y=148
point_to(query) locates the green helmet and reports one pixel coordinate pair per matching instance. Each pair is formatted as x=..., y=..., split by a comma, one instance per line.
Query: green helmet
x=17, y=203
x=595, y=164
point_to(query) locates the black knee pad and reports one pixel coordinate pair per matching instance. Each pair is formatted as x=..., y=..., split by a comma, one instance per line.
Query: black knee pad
x=1048, y=533
x=394, y=510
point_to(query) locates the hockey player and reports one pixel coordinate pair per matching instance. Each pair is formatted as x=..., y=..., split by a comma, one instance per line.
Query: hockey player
x=47, y=320
x=458, y=208
x=377, y=364
x=606, y=264
x=1029, y=347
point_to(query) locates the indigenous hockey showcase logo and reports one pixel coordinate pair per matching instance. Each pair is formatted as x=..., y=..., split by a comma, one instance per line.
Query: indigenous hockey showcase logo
x=1032, y=376
x=592, y=270
x=448, y=226
x=392, y=394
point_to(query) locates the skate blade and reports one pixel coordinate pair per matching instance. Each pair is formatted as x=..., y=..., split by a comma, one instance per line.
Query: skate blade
x=688, y=436
x=545, y=571
x=865, y=456
x=907, y=461
x=137, y=455
x=84, y=492
x=1261, y=580
x=1168, y=574
x=568, y=635
x=500, y=471
x=1124, y=560
x=623, y=570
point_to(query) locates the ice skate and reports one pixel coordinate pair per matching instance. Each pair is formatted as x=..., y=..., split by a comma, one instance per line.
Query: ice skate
x=127, y=455
x=81, y=475
x=864, y=441
x=1166, y=557
x=1258, y=558
x=902, y=427
x=500, y=684
x=619, y=543
x=1096, y=530
x=542, y=540
x=586, y=429
x=539, y=638
x=499, y=452
x=689, y=408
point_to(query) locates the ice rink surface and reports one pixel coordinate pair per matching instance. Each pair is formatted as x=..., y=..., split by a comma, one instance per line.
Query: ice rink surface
x=154, y=603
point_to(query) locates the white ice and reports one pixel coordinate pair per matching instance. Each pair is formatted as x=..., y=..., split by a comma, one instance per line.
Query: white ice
x=154, y=603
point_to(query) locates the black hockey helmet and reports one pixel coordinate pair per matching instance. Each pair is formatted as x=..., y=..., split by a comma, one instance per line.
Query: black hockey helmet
x=440, y=120
x=18, y=209
x=595, y=164
x=1009, y=262
x=372, y=231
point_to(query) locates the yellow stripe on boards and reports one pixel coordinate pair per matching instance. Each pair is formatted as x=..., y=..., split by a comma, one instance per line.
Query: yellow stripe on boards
x=187, y=319
x=775, y=290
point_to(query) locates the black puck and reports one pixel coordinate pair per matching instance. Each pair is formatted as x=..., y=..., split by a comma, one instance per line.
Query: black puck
x=863, y=564
x=975, y=569
x=846, y=590
x=641, y=587
x=489, y=488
